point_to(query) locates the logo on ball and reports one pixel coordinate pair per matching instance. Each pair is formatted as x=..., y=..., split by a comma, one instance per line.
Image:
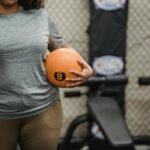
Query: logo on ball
x=59, y=76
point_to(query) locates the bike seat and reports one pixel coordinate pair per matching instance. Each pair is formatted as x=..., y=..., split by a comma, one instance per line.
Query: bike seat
x=109, y=118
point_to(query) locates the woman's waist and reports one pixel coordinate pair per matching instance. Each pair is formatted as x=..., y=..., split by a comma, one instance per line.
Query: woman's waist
x=17, y=100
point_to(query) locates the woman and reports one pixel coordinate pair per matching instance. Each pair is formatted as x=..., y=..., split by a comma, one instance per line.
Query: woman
x=30, y=109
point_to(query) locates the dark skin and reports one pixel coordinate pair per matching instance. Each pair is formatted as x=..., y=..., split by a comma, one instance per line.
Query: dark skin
x=8, y=7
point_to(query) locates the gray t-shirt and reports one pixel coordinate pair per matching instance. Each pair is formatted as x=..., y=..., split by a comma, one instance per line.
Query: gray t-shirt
x=24, y=88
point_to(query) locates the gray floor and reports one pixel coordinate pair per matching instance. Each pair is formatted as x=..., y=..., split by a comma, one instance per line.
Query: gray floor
x=137, y=148
x=142, y=147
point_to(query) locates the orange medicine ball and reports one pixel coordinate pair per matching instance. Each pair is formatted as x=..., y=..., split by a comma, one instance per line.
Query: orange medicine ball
x=58, y=65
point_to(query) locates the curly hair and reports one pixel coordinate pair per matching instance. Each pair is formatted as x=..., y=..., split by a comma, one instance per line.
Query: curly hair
x=31, y=4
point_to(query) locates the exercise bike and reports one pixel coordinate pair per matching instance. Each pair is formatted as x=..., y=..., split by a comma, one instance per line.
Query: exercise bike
x=106, y=112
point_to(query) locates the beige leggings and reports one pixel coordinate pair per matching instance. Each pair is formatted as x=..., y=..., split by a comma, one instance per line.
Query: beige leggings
x=39, y=132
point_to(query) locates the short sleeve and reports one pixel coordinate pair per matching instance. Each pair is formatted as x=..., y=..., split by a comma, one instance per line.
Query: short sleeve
x=54, y=33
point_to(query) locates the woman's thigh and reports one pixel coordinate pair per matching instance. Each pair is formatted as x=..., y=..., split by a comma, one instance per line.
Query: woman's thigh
x=42, y=131
x=8, y=134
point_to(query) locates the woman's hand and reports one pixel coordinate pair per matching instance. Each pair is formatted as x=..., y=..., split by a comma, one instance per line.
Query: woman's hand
x=86, y=73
